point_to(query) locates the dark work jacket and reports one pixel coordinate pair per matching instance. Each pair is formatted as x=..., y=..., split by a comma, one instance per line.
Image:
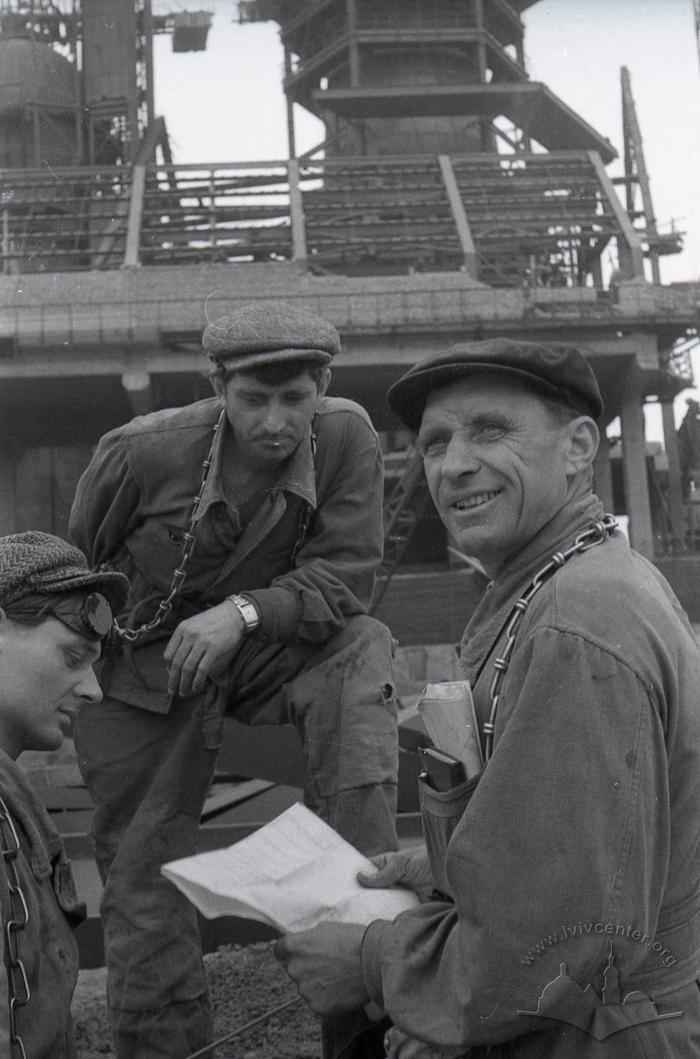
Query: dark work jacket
x=46, y=946
x=308, y=556
x=575, y=865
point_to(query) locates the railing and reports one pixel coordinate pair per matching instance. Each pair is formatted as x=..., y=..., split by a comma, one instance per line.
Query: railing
x=516, y=220
x=237, y=213
x=67, y=218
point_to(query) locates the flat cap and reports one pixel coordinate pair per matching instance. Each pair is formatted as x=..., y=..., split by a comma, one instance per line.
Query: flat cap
x=268, y=334
x=556, y=369
x=36, y=562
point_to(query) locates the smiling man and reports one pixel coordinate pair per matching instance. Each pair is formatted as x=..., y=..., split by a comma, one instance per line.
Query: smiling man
x=564, y=918
x=54, y=617
x=267, y=581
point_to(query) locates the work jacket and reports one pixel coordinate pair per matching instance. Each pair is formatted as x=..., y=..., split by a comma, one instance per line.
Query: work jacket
x=572, y=918
x=307, y=557
x=45, y=946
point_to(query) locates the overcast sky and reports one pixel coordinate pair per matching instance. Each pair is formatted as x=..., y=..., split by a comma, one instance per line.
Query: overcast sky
x=226, y=104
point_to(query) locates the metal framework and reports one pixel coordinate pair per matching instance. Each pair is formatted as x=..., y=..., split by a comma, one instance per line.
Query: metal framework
x=531, y=220
x=636, y=181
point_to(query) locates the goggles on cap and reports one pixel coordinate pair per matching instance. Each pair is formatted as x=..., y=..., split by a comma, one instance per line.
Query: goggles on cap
x=89, y=615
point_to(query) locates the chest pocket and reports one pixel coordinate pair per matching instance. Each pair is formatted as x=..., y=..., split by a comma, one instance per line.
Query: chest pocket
x=441, y=811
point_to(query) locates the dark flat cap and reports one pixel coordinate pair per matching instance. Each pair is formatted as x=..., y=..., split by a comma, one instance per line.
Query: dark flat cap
x=555, y=369
x=270, y=333
x=38, y=563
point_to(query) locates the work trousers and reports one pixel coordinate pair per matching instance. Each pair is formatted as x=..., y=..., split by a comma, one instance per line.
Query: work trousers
x=149, y=774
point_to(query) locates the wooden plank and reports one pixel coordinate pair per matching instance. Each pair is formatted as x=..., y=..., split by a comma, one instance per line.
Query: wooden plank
x=630, y=249
x=54, y=776
x=223, y=796
x=459, y=215
x=65, y=797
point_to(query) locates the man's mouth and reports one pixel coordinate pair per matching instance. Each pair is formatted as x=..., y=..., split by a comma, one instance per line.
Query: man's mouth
x=475, y=500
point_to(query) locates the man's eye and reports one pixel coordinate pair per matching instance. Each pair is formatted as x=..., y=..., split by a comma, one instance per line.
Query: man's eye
x=72, y=659
x=432, y=446
x=255, y=402
x=489, y=431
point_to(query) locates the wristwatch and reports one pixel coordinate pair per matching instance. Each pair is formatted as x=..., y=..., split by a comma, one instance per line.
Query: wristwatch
x=248, y=611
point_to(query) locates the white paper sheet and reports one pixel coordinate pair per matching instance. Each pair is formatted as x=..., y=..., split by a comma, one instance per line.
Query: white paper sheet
x=293, y=873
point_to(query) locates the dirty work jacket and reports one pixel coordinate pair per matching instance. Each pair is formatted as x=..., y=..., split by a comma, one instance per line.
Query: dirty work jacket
x=308, y=555
x=46, y=946
x=581, y=840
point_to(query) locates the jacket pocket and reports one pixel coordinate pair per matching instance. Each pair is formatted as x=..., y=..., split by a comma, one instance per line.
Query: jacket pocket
x=441, y=811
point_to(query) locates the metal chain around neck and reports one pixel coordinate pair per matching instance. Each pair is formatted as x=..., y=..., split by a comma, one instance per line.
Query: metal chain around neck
x=594, y=535
x=180, y=572
x=19, y=992
x=165, y=606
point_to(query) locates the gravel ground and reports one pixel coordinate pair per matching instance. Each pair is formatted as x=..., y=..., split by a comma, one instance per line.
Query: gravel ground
x=244, y=982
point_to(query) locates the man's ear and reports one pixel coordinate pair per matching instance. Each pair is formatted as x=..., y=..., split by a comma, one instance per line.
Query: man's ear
x=324, y=381
x=218, y=385
x=582, y=439
x=5, y=625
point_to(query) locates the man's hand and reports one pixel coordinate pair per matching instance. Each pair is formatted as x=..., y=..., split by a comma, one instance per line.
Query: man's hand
x=326, y=965
x=406, y=867
x=202, y=647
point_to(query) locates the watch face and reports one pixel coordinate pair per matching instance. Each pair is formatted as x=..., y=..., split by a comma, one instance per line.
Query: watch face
x=248, y=612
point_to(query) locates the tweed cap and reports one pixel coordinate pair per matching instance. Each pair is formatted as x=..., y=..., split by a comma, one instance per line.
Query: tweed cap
x=38, y=563
x=557, y=370
x=269, y=334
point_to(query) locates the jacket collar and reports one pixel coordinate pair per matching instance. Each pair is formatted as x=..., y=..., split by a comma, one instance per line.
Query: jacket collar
x=296, y=476
x=489, y=619
x=24, y=806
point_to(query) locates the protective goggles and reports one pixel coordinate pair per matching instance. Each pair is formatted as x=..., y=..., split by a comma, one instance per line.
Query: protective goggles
x=89, y=615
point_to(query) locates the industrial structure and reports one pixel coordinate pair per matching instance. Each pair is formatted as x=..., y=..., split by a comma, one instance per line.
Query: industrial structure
x=451, y=196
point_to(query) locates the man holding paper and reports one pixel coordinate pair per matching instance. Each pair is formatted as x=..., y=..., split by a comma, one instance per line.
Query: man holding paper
x=564, y=921
x=250, y=601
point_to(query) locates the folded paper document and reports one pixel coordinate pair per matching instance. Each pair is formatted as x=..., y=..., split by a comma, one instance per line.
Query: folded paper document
x=293, y=873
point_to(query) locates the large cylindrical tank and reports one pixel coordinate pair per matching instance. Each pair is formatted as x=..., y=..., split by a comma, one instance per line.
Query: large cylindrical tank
x=39, y=105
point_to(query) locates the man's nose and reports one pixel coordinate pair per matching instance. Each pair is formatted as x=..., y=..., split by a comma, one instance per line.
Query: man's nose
x=273, y=419
x=460, y=457
x=89, y=688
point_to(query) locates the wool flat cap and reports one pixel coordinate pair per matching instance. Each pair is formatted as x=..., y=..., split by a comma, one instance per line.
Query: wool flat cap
x=268, y=334
x=556, y=369
x=38, y=563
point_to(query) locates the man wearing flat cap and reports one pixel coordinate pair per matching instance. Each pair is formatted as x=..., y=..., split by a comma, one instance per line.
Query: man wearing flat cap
x=252, y=602
x=54, y=616
x=559, y=884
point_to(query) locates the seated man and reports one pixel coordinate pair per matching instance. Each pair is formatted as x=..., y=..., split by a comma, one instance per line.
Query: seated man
x=565, y=917
x=54, y=615
x=252, y=602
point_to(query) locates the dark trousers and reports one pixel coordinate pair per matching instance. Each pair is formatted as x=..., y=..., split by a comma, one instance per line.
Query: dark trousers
x=149, y=774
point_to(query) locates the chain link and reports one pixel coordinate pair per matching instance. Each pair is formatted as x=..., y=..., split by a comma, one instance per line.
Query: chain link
x=19, y=918
x=122, y=632
x=591, y=537
x=180, y=571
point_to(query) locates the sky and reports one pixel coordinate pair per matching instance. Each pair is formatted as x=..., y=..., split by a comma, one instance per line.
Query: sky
x=226, y=104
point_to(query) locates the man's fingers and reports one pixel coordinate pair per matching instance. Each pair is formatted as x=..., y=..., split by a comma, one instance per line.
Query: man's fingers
x=183, y=666
x=390, y=871
x=173, y=645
